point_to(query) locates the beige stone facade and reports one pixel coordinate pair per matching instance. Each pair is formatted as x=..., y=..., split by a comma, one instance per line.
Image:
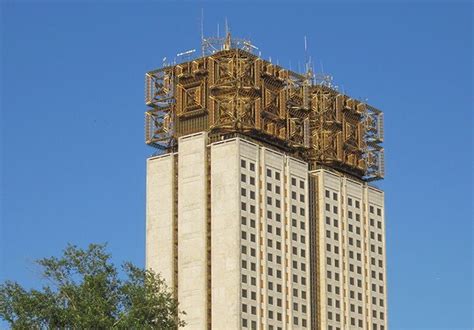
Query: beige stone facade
x=350, y=245
x=240, y=231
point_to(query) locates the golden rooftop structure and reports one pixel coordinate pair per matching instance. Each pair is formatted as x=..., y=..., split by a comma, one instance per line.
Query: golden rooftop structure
x=230, y=90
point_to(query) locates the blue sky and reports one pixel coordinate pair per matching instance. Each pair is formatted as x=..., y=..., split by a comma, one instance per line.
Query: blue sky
x=72, y=150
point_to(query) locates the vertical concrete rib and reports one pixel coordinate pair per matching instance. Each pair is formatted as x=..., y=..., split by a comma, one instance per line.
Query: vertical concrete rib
x=160, y=217
x=225, y=235
x=192, y=229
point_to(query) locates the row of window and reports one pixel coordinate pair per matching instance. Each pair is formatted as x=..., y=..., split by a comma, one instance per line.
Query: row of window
x=356, y=203
x=374, y=326
x=243, y=178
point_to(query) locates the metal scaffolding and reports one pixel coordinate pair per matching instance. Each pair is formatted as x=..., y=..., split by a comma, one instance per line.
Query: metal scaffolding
x=232, y=90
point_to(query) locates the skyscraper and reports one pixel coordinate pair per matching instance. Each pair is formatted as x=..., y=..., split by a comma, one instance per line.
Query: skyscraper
x=259, y=211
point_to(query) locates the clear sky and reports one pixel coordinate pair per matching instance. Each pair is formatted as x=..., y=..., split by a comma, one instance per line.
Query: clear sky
x=72, y=146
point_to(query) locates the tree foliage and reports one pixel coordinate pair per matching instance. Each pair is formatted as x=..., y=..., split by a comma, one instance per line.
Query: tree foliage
x=84, y=290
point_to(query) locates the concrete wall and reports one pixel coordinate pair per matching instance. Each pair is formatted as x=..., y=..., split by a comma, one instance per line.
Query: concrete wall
x=192, y=229
x=159, y=216
x=225, y=235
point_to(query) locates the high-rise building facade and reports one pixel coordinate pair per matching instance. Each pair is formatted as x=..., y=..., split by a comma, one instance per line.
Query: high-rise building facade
x=259, y=210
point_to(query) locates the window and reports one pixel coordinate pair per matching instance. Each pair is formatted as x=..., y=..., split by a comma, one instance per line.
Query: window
x=357, y=204
x=252, y=166
x=243, y=178
x=277, y=189
x=328, y=221
x=301, y=184
x=293, y=181
x=277, y=175
x=269, y=172
x=379, y=212
x=252, y=195
x=252, y=209
x=252, y=181
x=242, y=163
x=334, y=196
x=244, y=221
x=243, y=206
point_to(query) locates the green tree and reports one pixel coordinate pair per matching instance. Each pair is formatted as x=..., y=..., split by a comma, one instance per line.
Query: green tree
x=84, y=290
